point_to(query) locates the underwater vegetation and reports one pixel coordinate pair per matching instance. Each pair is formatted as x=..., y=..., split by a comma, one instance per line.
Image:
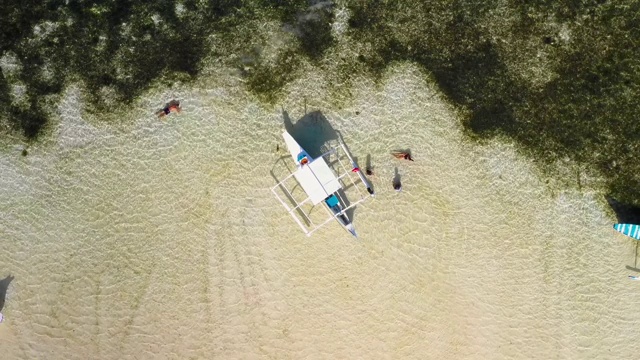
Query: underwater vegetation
x=114, y=48
x=559, y=78
x=117, y=48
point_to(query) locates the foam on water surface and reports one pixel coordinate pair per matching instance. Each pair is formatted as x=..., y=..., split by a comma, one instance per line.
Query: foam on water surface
x=161, y=239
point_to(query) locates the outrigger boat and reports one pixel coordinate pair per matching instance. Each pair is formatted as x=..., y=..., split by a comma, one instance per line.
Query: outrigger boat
x=321, y=185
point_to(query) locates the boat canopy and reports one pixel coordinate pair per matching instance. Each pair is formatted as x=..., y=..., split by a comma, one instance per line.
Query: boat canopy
x=317, y=180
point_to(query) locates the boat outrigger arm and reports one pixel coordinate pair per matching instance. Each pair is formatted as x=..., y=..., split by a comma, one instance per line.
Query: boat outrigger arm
x=322, y=185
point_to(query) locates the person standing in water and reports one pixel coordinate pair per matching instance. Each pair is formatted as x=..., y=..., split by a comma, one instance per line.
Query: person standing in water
x=172, y=106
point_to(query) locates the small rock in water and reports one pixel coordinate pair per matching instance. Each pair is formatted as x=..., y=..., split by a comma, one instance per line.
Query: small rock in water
x=548, y=40
x=25, y=152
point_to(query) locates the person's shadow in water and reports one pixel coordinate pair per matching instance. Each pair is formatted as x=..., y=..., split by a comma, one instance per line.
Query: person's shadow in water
x=397, y=181
x=4, y=285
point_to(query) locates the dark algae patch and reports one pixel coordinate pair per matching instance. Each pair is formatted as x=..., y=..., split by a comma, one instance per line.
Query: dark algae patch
x=559, y=78
x=308, y=23
x=118, y=48
x=114, y=48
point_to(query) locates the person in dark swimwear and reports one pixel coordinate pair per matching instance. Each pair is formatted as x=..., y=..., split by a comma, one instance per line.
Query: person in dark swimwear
x=402, y=155
x=172, y=106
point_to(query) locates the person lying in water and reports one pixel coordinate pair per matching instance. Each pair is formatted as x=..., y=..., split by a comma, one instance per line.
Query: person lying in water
x=172, y=106
x=402, y=155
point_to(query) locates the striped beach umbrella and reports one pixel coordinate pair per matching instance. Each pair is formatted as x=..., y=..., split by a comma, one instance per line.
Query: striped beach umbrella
x=630, y=230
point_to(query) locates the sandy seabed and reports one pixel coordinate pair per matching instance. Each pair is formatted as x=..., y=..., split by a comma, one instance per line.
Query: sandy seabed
x=162, y=239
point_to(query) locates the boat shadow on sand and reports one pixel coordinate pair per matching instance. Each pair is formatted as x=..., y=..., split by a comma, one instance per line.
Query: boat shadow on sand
x=315, y=134
x=312, y=131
